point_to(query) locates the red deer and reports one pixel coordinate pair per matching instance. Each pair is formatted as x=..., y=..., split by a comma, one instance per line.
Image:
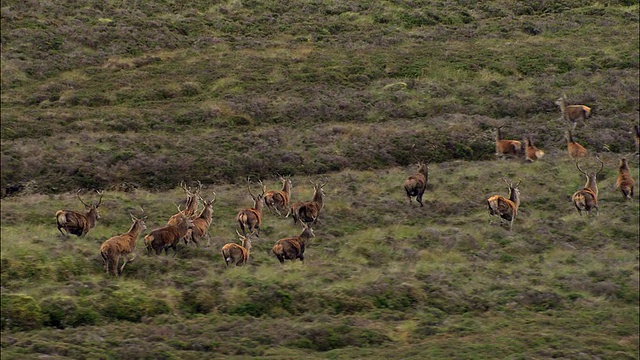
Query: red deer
x=250, y=219
x=625, y=182
x=292, y=248
x=233, y=253
x=575, y=150
x=77, y=223
x=309, y=211
x=573, y=112
x=506, y=209
x=168, y=236
x=416, y=184
x=531, y=153
x=586, y=199
x=191, y=205
x=278, y=200
x=202, y=223
x=121, y=246
x=506, y=147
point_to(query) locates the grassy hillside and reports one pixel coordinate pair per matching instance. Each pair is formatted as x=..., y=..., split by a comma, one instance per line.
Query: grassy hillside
x=134, y=97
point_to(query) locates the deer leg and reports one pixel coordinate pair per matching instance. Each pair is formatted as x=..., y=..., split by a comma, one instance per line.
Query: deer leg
x=574, y=125
x=122, y=267
x=208, y=239
x=175, y=250
x=63, y=234
x=419, y=199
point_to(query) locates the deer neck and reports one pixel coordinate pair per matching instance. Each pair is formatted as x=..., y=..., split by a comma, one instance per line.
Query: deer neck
x=207, y=213
x=318, y=198
x=92, y=216
x=286, y=188
x=183, y=225
x=592, y=184
x=135, y=230
x=499, y=135
x=258, y=205
x=514, y=197
x=191, y=209
x=246, y=243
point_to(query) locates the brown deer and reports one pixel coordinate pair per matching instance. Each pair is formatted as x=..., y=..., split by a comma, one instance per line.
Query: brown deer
x=168, y=236
x=416, y=184
x=506, y=209
x=191, y=205
x=202, y=223
x=625, y=182
x=292, y=248
x=278, y=200
x=121, y=246
x=573, y=112
x=586, y=199
x=506, y=147
x=233, y=253
x=77, y=223
x=531, y=153
x=309, y=211
x=575, y=150
x=250, y=219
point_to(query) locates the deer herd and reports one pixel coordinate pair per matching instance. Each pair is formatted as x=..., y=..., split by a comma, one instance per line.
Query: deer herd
x=192, y=227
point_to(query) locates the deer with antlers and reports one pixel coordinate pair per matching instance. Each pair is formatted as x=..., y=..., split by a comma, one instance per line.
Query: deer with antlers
x=250, y=219
x=233, y=253
x=531, y=152
x=278, y=200
x=416, y=184
x=506, y=209
x=625, y=182
x=202, y=223
x=77, y=223
x=586, y=199
x=121, y=246
x=191, y=205
x=575, y=150
x=168, y=236
x=292, y=248
x=309, y=211
x=573, y=112
x=506, y=147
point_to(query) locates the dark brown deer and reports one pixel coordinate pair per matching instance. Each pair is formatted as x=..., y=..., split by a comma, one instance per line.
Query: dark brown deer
x=292, y=248
x=586, y=199
x=506, y=147
x=416, y=184
x=575, y=150
x=121, y=246
x=202, y=223
x=573, y=112
x=278, y=200
x=191, y=205
x=77, y=223
x=531, y=152
x=625, y=182
x=168, y=236
x=506, y=209
x=233, y=253
x=250, y=219
x=309, y=211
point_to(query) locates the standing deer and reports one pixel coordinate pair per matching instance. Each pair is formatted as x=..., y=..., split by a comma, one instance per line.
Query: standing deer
x=202, y=223
x=77, y=223
x=587, y=198
x=625, y=182
x=292, y=248
x=121, y=246
x=416, y=184
x=309, y=211
x=191, y=205
x=575, y=150
x=506, y=147
x=233, y=253
x=573, y=112
x=168, y=236
x=250, y=219
x=278, y=200
x=506, y=209
x=531, y=153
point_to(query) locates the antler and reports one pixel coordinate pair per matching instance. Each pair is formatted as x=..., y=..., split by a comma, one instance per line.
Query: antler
x=601, y=165
x=578, y=166
x=506, y=182
x=79, y=198
x=101, y=193
x=518, y=184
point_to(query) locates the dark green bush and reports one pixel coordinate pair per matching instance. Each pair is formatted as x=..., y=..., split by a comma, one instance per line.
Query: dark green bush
x=20, y=312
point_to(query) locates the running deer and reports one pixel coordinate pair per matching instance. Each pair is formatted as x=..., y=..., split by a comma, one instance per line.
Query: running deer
x=309, y=211
x=573, y=112
x=278, y=200
x=531, y=153
x=77, y=223
x=575, y=150
x=292, y=248
x=506, y=147
x=586, y=199
x=121, y=246
x=416, y=184
x=625, y=182
x=202, y=223
x=191, y=205
x=168, y=236
x=506, y=209
x=233, y=253
x=250, y=219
